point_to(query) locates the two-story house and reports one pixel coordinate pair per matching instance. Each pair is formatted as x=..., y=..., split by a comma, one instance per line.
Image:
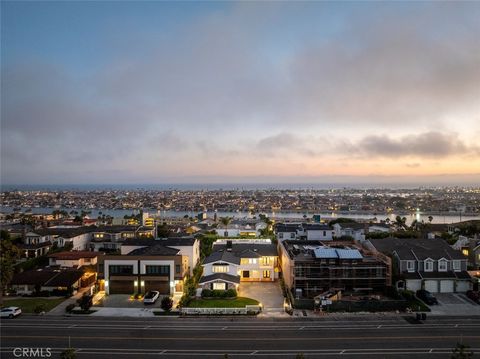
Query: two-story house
x=304, y=231
x=35, y=245
x=470, y=248
x=351, y=229
x=235, y=261
x=429, y=264
x=144, y=269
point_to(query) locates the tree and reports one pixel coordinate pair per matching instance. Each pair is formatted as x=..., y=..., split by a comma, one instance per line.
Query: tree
x=166, y=304
x=68, y=353
x=85, y=302
x=461, y=351
x=430, y=219
x=9, y=254
x=225, y=221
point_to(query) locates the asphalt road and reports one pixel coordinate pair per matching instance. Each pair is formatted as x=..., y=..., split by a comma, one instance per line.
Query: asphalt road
x=239, y=337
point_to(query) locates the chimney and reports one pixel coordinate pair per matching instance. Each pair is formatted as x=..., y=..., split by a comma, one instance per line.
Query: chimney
x=229, y=246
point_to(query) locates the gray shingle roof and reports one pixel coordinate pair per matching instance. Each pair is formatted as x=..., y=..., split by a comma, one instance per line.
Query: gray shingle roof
x=223, y=256
x=414, y=248
x=155, y=250
x=220, y=276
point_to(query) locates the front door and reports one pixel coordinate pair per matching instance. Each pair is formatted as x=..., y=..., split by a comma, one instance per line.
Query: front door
x=246, y=274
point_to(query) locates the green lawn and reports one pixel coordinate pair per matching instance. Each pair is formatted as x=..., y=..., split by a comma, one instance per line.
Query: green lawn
x=27, y=305
x=238, y=302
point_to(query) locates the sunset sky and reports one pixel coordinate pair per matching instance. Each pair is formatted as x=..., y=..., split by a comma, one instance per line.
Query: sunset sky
x=152, y=92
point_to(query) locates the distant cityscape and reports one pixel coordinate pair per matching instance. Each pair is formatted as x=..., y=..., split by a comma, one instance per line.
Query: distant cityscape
x=381, y=201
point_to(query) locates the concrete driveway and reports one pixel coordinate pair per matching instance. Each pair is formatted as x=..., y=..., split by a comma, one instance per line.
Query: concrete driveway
x=267, y=293
x=124, y=301
x=454, y=304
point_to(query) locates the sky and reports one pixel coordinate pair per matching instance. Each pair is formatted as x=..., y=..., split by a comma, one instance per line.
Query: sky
x=183, y=92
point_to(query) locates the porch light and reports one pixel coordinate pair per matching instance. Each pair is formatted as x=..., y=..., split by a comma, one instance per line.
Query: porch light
x=135, y=283
x=106, y=283
x=142, y=283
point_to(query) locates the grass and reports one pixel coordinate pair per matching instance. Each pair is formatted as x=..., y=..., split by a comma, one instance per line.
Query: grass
x=28, y=305
x=239, y=302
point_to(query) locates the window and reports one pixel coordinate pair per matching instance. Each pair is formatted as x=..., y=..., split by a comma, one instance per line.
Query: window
x=411, y=266
x=457, y=266
x=160, y=270
x=177, y=268
x=465, y=252
x=225, y=233
x=252, y=260
x=292, y=235
x=280, y=235
x=266, y=274
x=219, y=268
x=428, y=265
x=219, y=286
x=442, y=265
x=266, y=261
x=324, y=233
x=120, y=269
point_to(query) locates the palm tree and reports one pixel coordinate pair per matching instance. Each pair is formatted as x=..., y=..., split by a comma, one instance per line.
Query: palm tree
x=226, y=221
x=430, y=219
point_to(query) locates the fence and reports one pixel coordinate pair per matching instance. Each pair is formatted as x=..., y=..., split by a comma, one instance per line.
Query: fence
x=248, y=309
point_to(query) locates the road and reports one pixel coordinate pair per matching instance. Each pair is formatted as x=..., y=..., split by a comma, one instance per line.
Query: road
x=240, y=337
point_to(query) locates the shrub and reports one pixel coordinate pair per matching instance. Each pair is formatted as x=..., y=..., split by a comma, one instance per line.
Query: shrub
x=70, y=307
x=206, y=293
x=68, y=354
x=85, y=302
x=407, y=294
x=231, y=293
x=166, y=304
x=39, y=308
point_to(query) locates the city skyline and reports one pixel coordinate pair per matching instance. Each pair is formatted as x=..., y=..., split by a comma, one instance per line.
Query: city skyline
x=218, y=92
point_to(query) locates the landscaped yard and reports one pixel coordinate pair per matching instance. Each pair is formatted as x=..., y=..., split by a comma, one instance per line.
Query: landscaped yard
x=28, y=305
x=239, y=302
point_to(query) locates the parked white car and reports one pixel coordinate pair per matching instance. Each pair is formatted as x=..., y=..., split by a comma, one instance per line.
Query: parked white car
x=151, y=297
x=10, y=312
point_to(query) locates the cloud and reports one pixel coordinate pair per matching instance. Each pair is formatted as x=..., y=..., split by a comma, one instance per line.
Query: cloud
x=423, y=145
x=232, y=87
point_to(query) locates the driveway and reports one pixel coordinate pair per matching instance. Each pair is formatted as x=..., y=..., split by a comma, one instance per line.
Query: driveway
x=124, y=301
x=454, y=304
x=267, y=293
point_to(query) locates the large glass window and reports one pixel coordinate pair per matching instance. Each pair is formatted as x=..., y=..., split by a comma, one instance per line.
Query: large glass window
x=160, y=270
x=120, y=269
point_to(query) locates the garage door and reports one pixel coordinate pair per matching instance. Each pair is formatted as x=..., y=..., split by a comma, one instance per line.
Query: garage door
x=162, y=286
x=446, y=286
x=463, y=285
x=121, y=287
x=431, y=286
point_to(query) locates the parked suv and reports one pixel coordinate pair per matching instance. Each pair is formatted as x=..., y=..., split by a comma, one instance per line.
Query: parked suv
x=475, y=296
x=427, y=297
x=10, y=312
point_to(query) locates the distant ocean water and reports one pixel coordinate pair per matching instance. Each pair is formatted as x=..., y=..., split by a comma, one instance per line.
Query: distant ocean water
x=218, y=186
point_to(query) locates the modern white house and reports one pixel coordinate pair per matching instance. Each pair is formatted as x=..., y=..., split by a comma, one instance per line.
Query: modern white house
x=144, y=269
x=187, y=246
x=239, y=229
x=354, y=230
x=304, y=231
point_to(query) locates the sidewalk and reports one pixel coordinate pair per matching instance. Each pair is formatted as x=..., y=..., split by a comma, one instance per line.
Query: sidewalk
x=60, y=309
